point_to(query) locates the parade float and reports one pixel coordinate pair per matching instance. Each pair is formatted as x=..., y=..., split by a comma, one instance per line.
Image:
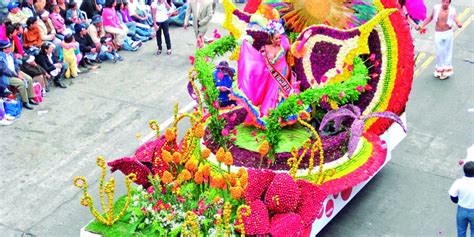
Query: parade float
x=285, y=168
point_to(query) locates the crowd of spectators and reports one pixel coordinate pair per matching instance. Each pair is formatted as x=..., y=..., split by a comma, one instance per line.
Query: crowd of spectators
x=46, y=41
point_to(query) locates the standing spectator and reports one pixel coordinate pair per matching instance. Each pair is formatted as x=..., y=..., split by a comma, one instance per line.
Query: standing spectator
x=86, y=45
x=112, y=23
x=35, y=71
x=32, y=40
x=69, y=54
x=444, y=16
x=74, y=16
x=10, y=69
x=16, y=15
x=202, y=12
x=58, y=20
x=159, y=12
x=96, y=31
x=51, y=64
x=462, y=193
x=48, y=33
x=91, y=8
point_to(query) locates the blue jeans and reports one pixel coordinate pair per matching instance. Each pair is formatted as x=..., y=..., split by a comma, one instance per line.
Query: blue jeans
x=463, y=218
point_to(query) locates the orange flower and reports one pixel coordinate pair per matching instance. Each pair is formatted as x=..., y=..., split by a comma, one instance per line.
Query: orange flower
x=264, y=147
x=244, y=179
x=220, y=155
x=176, y=157
x=170, y=135
x=241, y=172
x=185, y=175
x=199, y=130
x=198, y=178
x=216, y=199
x=206, y=170
x=205, y=153
x=228, y=158
x=167, y=178
x=166, y=156
x=231, y=178
x=217, y=181
x=191, y=165
x=236, y=192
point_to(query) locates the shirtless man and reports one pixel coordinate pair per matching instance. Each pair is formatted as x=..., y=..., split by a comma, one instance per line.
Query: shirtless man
x=444, y=16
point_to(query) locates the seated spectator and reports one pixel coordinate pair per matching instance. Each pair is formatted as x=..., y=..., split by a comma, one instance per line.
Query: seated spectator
x=74, y=16
x=58, y=21
x=40, y=5
x=223, y=76
x=62, y=8
x=16, y=15
x=70, y=46
x=17, y=44
x=140, y=12
x=86, y=46
x=91, y=8
x=28, y=8
x=11, y=71
x=144, y=31
x=96, y=31
x=177, y=15
x=4, y=9
x=132, y=28
x=51, y=64
x=48, y=33
x=107, y=50
x=35, y=71
x=112, y=23
x=32, y=40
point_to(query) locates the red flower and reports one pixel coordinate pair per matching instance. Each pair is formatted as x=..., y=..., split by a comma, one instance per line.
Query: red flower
x=350, y=67
x=372, y=57
x=342, y=94
x=288, y=224
x=368, y=87
x=253, y=133
x=299, y=102
x=324, y=78
x=324, y=98
x=283, y=194
x=191, y=60
x=374, y=75
x=258, y=222
x=360, y=88
x=234, y=132
x=376, y=63
x=258, y=182
x=150, y=190
x=225, y=132
x=215, y=104
x=203, y=88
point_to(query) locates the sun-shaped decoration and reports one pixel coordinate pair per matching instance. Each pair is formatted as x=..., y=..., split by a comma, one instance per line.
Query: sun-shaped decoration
x=303, y=13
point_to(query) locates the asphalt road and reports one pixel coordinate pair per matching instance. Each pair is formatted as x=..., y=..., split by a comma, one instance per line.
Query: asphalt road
x=101, y=112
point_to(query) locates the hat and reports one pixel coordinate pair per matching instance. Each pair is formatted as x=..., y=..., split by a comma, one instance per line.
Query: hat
x=225, y=68
x=45, y=14
x=5, y=44
x=78, y=28
x=12, y=5
x=96, y=19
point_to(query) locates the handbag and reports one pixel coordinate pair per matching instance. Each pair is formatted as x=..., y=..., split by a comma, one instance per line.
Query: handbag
x=13, y=107
x=37, y=89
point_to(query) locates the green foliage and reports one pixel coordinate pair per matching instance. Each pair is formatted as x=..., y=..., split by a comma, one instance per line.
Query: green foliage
x=205, y=67
x=311, y=96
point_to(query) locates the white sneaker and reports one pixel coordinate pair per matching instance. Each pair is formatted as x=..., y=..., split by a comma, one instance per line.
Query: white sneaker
x=9, y=117
x=5, y=122
x=78, y=71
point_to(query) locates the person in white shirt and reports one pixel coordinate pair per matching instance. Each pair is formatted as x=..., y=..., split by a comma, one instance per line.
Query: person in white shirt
x=160, y=11
x=462, y=193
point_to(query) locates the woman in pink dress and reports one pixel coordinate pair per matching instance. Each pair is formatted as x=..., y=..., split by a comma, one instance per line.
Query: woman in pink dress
x=264, y=76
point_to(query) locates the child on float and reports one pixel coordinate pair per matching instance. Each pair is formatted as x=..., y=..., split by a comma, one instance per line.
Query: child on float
x=444, y=16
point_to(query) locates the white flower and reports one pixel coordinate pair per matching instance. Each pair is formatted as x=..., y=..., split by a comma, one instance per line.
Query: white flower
x=147, y=221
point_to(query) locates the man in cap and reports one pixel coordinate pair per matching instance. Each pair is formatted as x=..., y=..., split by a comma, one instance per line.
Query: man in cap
x=96, y=30
x=16, y=15
x=32, y=69
x=10, y=73
x=86, y=45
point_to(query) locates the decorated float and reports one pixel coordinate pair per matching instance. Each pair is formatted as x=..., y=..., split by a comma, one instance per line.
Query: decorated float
x=315, y=108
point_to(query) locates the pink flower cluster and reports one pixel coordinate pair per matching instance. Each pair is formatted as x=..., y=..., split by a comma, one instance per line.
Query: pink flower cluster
x=281, y=206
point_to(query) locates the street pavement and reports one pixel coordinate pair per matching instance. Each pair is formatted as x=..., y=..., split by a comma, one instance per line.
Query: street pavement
x=102, y=113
